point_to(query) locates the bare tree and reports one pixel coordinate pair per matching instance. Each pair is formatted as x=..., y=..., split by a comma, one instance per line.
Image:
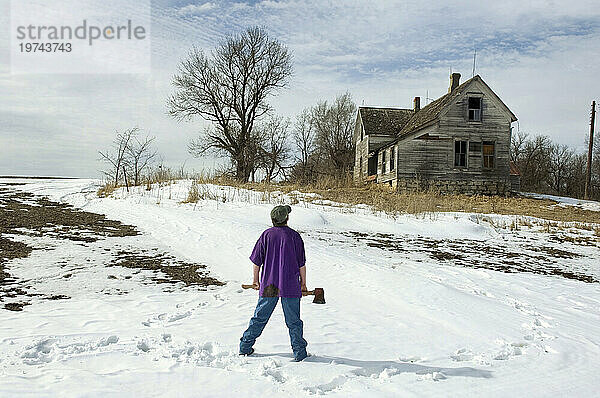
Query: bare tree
x=334, y=127
x=116, y=156
x=533, y=162
x=575, y=181
x=230, y=87
x=139, y=156
x=274, y=151
x=560, y=160
x=305, y=145
x=517, y=145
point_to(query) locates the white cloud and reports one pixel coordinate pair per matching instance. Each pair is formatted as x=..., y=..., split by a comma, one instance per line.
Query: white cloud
x=192, y=9
x=535, y=55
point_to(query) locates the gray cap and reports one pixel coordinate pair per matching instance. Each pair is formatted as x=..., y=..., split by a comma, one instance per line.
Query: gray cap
x=280, y=213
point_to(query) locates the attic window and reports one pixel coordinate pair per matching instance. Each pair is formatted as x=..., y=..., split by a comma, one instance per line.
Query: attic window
x=475, y=109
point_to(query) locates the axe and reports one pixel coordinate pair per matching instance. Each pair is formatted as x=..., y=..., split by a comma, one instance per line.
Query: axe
x=319, y=293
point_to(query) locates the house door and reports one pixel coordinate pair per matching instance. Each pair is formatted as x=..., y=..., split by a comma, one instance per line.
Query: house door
x=372, y=166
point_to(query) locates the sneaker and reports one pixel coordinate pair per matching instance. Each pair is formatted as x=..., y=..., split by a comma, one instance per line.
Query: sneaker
x=245, y=354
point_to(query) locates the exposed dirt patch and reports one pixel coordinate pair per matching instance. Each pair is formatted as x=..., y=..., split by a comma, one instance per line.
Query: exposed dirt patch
x=15, y=306
x=538, y=259
x=10, y=249
x=25, y=214
x=168, y=268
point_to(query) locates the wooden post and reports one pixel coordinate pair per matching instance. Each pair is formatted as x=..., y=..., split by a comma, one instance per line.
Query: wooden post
x=125, y=176
x=588, y=176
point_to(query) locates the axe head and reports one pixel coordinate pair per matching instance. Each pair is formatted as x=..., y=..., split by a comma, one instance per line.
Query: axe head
x=319, y=296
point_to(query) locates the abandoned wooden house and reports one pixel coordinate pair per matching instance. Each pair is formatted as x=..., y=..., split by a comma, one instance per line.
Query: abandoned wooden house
x=458, y=143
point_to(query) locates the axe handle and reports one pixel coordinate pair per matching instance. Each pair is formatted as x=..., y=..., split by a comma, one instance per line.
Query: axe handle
x=247, y=286
x=304, y=293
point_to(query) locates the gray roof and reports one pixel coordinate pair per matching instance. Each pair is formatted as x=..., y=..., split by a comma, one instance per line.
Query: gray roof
x=401, y=122
x=430, y=113
x=385, y=121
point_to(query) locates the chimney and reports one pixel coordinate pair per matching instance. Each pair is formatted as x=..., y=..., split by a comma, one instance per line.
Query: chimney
x=417, y=104
x=454, y=81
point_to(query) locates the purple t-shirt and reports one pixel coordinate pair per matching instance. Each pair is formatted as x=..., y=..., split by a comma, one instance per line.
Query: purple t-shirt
x=280, y=250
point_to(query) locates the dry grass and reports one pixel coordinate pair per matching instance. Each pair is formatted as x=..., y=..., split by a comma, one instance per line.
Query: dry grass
x=106, y=190
x=384, y=199
x=423, y=202
x=198, y=191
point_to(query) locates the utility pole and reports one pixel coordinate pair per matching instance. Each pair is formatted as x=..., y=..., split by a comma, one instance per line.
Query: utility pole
x=588, y=176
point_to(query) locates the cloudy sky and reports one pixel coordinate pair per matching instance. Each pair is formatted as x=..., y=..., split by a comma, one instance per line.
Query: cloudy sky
x=540, y=57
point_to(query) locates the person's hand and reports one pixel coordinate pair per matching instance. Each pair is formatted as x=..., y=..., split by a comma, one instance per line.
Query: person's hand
x=256, y=285
x=304, y=289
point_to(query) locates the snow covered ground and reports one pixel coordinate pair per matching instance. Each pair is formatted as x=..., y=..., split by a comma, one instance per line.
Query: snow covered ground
x=416, y=305
x=565, y=201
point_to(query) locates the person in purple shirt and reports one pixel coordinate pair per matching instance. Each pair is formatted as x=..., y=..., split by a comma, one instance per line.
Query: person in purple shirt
x=280, y=253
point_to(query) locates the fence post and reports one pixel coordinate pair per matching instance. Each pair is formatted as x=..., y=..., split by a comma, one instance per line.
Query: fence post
x=125, y=176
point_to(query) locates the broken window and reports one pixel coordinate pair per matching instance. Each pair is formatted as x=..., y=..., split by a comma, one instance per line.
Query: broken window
x=475, y=109
x=489, y=153
x=382, y=161
x=460, y=153
x=392, y=158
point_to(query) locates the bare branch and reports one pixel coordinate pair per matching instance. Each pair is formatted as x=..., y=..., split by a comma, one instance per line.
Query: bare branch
x=229, y=88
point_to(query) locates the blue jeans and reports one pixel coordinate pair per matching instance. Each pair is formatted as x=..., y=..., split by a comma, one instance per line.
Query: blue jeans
x=264, y=309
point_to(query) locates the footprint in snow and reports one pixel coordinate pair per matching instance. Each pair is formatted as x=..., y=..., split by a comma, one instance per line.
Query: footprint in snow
x=462, y=355
x=164, y=316
x=510, y=350
x=271, y=370
x=410, y=359
x=177, y=317
x=50, y=349
x=433, y=376
x=321, y=389
x=143, y=345
x=108, y=341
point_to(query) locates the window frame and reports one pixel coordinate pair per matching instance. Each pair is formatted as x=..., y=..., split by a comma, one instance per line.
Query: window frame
x=493, y=155
x=465, y=154
x=480, y=97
